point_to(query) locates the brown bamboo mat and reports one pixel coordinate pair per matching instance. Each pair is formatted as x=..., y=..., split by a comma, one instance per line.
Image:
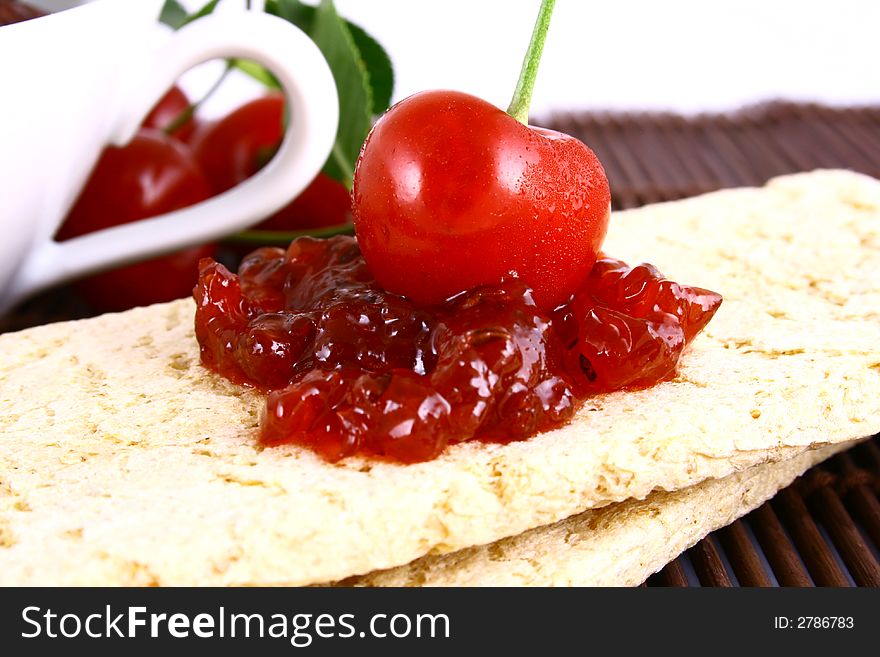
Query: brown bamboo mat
x=663, y=157
x=824, y=530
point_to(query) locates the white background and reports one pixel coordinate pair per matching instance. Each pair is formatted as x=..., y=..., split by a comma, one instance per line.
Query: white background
x=685, y=55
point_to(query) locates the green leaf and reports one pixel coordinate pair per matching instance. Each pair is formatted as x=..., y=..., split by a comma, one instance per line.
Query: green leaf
x=173, y=14
x=335, y=41
x=204, y=11
x=374, y=56
x=294, y=11
x=378, y=65
x=257, y=72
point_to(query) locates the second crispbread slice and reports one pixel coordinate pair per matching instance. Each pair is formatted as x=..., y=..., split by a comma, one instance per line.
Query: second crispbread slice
x=124, y=462
x=620, y=544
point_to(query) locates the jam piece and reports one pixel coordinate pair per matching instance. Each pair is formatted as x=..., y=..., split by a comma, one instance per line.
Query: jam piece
x=498, y=365
x=352, y=369
x=627, y=327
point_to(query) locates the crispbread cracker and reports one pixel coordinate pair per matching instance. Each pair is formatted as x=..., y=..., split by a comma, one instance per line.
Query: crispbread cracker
x=620, y=544
x=123, y=461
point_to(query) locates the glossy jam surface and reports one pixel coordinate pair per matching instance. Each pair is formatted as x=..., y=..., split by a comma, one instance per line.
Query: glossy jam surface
x=352, y=369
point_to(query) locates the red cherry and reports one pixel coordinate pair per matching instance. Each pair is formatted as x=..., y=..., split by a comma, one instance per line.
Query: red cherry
x=325, y=202
x=450, y=193
x=236, y=147
x=167, y=110
x=144, y=283
x=151, y=175
x=12, y=11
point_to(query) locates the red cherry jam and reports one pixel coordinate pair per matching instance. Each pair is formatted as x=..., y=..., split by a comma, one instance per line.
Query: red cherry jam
x=352, y=369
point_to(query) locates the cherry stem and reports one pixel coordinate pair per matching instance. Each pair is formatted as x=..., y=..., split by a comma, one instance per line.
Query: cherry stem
x=283, y=238
x=191, y=109
x=522, y=96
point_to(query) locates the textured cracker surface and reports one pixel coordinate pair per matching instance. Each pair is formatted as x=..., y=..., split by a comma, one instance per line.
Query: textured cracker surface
x=122, y=461
x=620, y=544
